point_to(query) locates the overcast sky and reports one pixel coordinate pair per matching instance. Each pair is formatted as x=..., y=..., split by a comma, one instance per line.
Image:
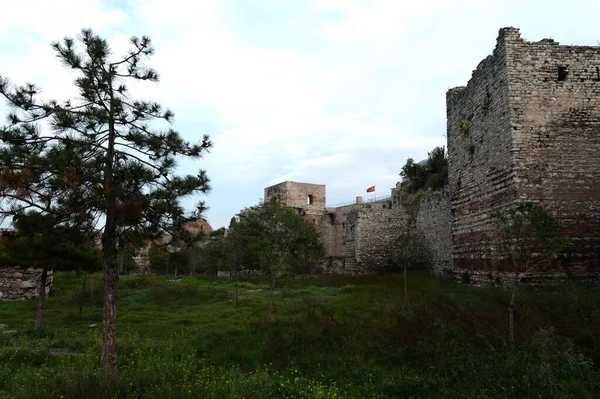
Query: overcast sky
x=335, y=92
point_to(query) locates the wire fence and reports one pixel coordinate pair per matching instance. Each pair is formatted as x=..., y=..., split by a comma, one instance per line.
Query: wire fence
x=377, y=199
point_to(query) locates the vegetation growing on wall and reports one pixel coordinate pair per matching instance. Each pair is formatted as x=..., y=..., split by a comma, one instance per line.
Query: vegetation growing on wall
x=432, y=174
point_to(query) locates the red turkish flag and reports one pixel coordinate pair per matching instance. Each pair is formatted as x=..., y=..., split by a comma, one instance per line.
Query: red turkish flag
x=371, y=189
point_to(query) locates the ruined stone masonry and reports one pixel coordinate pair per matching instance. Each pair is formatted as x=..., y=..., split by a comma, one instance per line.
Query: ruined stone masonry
x=21, y=282
x=527, y=128
x=358, y=238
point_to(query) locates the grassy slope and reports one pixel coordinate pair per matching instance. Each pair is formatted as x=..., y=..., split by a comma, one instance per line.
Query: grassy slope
x=332, y=337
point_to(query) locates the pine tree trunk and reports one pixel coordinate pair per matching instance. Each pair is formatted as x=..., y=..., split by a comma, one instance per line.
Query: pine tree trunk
x=39, y=319
x=108, y=357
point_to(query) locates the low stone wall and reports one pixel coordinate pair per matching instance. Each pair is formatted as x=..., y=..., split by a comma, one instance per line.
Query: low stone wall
x=242, y=273
x=22, y=282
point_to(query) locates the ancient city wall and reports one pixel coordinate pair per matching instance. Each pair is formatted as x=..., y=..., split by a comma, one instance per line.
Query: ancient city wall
x=21, y=282
x=527, y=127
x=341, y=226
x=362, y=235
x=555, y=113
x=370, y=236
x=359, y=238
x=480, y=157
x=337, y=230
x=433, y=223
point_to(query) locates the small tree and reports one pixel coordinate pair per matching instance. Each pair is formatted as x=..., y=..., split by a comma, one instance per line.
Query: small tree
x=528, y=239
x=415, y=173
x=408, y=251
x=278, y=238
x=237, y=252
x=432, y=174
x=437, y=168
x=193, y=255
x=158, y=257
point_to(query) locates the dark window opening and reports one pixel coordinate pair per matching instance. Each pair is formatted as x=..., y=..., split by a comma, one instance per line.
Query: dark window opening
x=597, y=74
x=563, y=72
x=309, y=199
x=487, y=102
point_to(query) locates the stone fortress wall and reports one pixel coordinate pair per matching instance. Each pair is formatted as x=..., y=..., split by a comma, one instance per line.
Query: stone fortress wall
x=527, y=128
x=358, y=238
x=434, y=221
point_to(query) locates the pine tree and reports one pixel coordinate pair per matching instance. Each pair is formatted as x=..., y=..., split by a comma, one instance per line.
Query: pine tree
x=96, y=159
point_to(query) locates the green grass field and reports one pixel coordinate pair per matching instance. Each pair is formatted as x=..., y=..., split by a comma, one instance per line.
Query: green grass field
x=331, y=337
